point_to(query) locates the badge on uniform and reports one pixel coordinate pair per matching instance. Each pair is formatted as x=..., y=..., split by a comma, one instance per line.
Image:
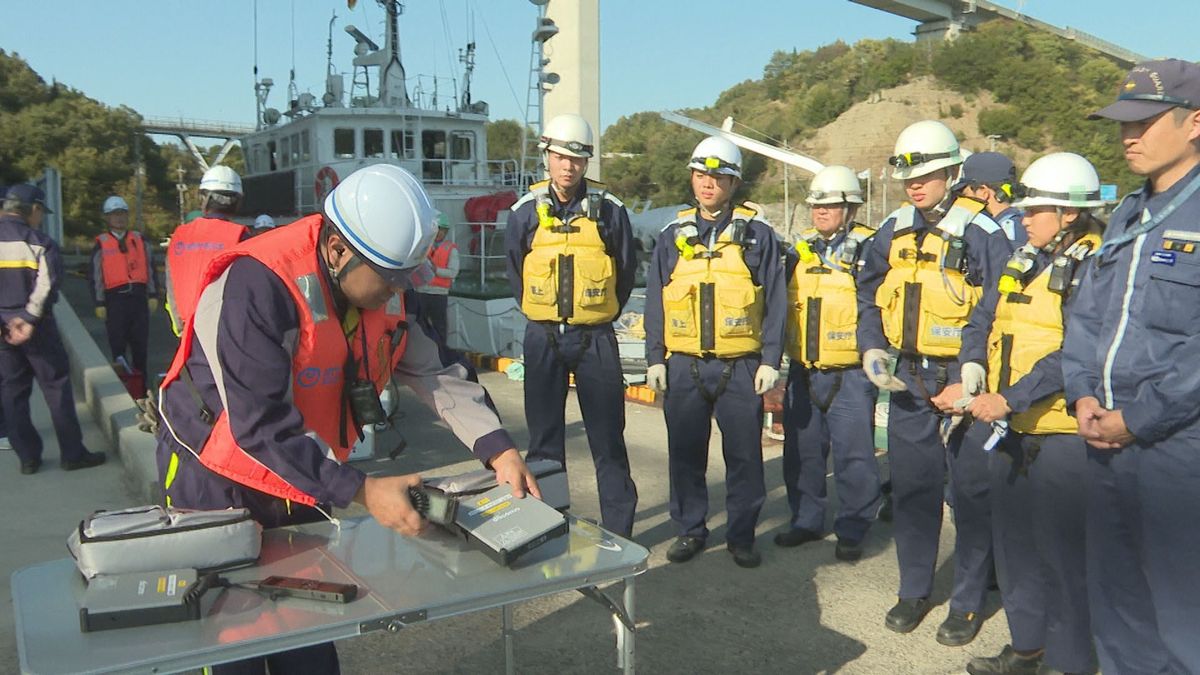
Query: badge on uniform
x=1163, y=257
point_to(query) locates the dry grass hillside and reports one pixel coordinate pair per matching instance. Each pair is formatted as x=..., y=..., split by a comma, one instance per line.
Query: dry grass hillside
x=863, y=137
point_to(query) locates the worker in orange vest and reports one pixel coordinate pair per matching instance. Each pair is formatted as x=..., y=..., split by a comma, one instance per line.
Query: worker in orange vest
x=123, y=284
x=435, y=293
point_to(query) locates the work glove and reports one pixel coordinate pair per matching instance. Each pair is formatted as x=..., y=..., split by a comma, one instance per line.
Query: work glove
x=764, y=379
x=147, y=415
x=656, y=377
x=947, y=427
x=152, y=303
x=974, y=378
x=876, y=364
x=102, y=313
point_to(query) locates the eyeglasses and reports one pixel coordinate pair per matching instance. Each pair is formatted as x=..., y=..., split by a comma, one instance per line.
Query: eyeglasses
x=907, y=159
x=1022, y=191
x=715, y=163
x=573, y=146
x=1159, y=98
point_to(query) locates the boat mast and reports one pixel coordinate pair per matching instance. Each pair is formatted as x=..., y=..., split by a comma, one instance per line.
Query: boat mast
x=392, y=87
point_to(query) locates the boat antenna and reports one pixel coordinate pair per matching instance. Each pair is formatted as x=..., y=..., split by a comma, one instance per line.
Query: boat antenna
x=293, y=90
x=467, y=58
x=329, y=45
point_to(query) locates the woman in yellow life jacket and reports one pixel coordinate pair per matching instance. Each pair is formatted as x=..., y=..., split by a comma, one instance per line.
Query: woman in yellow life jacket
x=828, y=394
x=1038, y=462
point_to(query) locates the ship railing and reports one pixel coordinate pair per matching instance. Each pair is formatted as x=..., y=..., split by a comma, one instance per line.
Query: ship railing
x=481, y=244
x=469, y=172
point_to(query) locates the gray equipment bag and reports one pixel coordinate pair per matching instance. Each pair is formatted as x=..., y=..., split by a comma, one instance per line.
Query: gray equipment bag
x=551, y=479
x=150, y=538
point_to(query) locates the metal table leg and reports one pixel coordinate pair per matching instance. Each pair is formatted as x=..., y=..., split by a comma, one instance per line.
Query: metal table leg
x=510, y=662
x=625, y=632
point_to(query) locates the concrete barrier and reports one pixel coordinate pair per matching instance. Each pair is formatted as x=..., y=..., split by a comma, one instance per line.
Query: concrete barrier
x=110, y=405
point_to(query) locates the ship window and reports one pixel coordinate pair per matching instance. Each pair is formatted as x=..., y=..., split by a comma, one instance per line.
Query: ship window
x=305, y=155
x=433, y=148
x=254, y=160
x=271, y=155
x=343, y=143
x=295, y=149
x=402, y=144
x=462, y=145
x=285, y=152
x=373, y=143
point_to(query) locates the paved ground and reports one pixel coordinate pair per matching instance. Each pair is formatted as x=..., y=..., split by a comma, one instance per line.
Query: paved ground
x=801, y=612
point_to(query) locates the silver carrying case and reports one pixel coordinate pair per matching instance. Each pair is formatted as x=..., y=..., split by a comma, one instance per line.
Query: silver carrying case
x=149, y=538
x=551, y=479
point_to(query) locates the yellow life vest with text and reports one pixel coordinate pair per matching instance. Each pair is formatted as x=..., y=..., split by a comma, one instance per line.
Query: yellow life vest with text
x=925, y=303
x=568, y=276
x=711, y=306
x=1027, y=328
x=822, y=320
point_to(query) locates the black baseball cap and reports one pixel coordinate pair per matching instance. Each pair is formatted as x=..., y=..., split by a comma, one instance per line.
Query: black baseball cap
x=1153, y=87
x=28, y=195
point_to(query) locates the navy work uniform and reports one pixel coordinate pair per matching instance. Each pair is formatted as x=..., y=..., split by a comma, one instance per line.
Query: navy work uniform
x=1038, y=494
x=718, y=307
x=572, y=266
x=1009, y=220
x=1132, y=342
x=916, y=289
x=123, y=281
x=30, y=274
x=829, y=400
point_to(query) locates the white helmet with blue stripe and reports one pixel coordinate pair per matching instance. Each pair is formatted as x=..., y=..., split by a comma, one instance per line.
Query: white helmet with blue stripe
x=386, y=216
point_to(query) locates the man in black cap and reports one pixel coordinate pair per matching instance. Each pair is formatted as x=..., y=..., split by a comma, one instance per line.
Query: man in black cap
x=1129, y=355
x=30, y=272
x=989, y=177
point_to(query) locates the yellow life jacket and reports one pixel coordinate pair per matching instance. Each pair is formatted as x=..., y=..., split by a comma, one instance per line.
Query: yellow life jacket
x=568, y=275
x=924, y=302
x=822, y=320
x=1028, y=327
x=711, y=306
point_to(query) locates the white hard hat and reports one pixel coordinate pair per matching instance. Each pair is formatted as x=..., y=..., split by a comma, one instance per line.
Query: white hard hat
x=717, y=155
x=264, y=222
x=1059, y=179
x=924, y=147
x=221, y=178
x=835, y=185
x=113, y=204
x=386, y=217
x=567, y=134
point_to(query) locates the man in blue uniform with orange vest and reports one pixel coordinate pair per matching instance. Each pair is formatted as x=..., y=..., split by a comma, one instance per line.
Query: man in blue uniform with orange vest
x=829, y=397
x=123, y=284
x=31, y=346
x=571, y=263
x=716, y=301
x=435, y=293
x=1129, y=361
x=195, y=243
x=1038, y=460
x=295, y=334
x=923, y=273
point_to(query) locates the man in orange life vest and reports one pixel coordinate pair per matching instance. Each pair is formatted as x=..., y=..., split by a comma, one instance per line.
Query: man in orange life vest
x=436, y=292
x=123, y=284
x=196, y=243
x=264, y=399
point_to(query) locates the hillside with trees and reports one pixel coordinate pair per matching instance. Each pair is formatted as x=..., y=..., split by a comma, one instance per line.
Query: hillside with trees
x=1029, y=91
x=93, y=145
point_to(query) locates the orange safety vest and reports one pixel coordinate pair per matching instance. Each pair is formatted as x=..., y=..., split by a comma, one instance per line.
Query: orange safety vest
x=121, y=268
x=318, y=363
x=439, y=255
x=192, y=247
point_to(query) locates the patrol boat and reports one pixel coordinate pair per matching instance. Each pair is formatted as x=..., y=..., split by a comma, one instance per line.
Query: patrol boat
x=296, y=156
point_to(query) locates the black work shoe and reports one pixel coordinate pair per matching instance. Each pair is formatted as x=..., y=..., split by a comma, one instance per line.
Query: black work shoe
x=959, y=628
x=1008, y=662
x=31, y=467
x=847, y=550
x=796, y=537
x=907, y=614
x=87, y=461
x=745, y=556
x=684, y=549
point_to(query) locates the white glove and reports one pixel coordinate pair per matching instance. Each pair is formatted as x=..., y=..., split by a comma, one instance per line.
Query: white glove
x=764, y=379
x=974, y=378
x=656, y=377
x=878, y=369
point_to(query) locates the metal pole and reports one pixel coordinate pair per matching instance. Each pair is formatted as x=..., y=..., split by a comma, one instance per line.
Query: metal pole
x=137, y=179
x=627, y=646
x=786, y=200
x=510, y=665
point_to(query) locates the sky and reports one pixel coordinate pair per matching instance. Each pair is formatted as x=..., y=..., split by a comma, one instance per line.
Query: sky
x=194, y=60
